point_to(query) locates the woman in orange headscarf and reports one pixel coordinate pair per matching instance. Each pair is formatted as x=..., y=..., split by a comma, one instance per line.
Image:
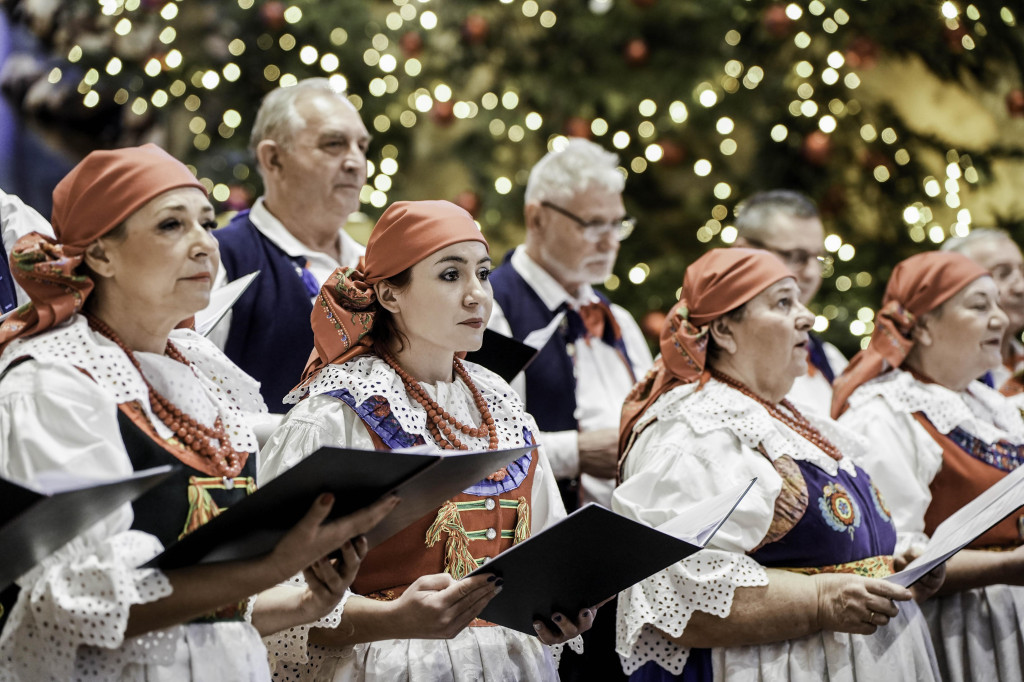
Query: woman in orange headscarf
x=789, y=588
x=940, y=439
x=386, y=374
x=94, y=362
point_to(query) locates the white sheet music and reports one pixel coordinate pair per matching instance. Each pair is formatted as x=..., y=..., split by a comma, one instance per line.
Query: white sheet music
x=965, y=525
x=539, y=337
x=702, y=520
x=221, y=301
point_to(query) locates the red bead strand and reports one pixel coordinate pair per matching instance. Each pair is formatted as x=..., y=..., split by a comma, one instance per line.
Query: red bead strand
x=193, y=435
x=795, y=420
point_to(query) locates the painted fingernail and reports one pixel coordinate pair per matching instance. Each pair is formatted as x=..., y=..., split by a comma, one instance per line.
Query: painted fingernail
x=585, y=613
x=499, y=582
x=557, y=618
x=491, y=578
x=327, y=499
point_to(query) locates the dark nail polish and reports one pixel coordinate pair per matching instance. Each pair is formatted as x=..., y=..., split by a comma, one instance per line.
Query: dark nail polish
x=557, y=618
x=499, y=582
x=491, y=578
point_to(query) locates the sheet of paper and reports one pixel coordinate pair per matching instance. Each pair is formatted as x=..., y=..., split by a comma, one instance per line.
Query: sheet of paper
x=539, y=337
x=221, y=301
x=699, y=522
x=966, y=524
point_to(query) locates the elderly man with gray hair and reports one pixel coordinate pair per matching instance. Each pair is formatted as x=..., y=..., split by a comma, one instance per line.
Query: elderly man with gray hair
x=575, y=386
x=310, y=145
x=995, y=250
x=787, y=223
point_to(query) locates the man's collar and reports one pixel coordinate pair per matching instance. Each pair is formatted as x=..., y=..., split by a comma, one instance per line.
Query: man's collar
x=274, y=230
x=547, y=287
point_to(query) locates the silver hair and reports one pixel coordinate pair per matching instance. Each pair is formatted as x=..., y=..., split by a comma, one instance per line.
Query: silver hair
x=561, y=174
x=753, y=216
x=979, y=234
x=277, y=118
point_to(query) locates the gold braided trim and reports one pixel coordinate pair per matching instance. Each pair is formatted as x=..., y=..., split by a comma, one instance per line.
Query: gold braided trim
x=871, y=567
x=458, y=560
x=201, y=507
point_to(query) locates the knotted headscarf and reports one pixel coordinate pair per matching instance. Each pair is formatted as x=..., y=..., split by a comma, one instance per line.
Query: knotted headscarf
x=918, y=285
x=99, y=194
x=719, y=281
x=344, y=311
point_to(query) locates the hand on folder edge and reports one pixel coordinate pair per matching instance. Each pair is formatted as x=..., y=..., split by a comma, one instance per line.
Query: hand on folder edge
x=930, y=583
x=560, y=629
x=337, y=548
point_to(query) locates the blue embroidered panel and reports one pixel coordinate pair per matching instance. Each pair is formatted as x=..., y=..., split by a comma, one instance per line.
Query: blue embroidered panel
x=1001, y=455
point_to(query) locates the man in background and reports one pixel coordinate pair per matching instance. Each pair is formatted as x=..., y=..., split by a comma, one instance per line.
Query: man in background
x=310, y=146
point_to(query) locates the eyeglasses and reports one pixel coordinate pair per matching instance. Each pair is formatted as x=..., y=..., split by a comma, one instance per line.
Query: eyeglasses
x=595, y=230
x=795, y=259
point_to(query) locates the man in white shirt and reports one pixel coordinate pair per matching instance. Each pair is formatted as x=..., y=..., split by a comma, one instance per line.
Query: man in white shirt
x=16, y=220
x=787, y=223
x=995, y=250
x=574, y=388
x=310, y=146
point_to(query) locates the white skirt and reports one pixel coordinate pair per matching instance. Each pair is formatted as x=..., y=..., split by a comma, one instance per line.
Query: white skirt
x=977, y=634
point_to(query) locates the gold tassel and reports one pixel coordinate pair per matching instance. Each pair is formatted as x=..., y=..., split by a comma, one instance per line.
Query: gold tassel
x=458, y=559
x=201, y=507
x=522, y=521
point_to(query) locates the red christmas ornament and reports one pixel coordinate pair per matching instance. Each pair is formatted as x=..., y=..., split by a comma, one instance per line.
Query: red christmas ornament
x=861, y=53
x=672, y=153
x=239, y=198
x=636, y=52
x=775, y=21
x=272, y=14
x=469, y=201
x=817, y=148
x=475, y=29
x=1015, y=102
x=443, y=113
x=411, y=44
x=577, y=126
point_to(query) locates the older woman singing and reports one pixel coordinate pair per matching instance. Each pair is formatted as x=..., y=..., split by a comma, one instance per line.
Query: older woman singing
x=940, y=438
x=96, y=355
x=789, y=588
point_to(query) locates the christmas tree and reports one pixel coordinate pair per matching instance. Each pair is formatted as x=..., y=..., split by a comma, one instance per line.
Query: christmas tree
x=903, y=119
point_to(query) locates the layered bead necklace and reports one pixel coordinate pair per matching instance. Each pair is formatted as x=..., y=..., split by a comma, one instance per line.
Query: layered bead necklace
x=442, y=425
x=191, y=434
x=791, y=417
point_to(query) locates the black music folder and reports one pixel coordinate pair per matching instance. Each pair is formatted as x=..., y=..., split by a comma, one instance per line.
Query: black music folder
x=591, y=555
x=503, y=355
x=37, y=520
x=357, y=478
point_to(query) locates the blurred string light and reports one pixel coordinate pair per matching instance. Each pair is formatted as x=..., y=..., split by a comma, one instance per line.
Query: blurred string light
x=822, y=89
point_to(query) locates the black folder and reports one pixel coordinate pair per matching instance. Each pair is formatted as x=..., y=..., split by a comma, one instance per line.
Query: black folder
x=503, y=355
x=423, y=480
x=591, y=555
x=34, y=523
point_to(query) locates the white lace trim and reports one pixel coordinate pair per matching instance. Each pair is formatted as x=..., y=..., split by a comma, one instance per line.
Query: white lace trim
x=291, y=646
x=79, y=609
x=212, y=385
x=367, y=376
x=981, y=411
x=664, y=603
x=718, y=407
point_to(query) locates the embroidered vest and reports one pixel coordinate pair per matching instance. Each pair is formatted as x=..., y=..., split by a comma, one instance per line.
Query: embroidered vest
x=270, y=336
x=8, y=294
x=961, y=478
x=460, y=535
x=824, y=523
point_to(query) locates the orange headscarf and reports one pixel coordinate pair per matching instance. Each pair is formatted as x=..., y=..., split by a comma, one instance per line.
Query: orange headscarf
x=344, y=311
x=918, y=285
x=719, y=281
x=99, y=194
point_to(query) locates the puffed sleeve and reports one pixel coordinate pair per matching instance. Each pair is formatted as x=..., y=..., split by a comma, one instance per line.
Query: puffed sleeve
x=316, y=422
x=669, y=469
x=75, y=603
x=902, y=461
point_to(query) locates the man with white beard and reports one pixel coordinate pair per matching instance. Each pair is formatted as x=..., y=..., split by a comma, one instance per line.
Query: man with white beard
x=575, y=386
